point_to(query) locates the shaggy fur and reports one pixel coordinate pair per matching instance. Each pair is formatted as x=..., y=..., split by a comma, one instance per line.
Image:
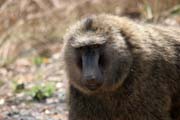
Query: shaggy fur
x=144, y=85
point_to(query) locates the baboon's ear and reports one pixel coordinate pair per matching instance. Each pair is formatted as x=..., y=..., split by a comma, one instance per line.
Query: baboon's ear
x=88, y=23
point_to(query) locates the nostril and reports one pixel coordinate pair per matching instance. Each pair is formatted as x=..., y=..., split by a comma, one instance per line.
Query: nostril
x=90, y=79
x=91, y=82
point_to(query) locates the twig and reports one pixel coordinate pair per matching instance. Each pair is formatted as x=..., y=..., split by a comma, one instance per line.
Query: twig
x=4, y=6
x=41, y=4
x=43, y=14
x=4, y=37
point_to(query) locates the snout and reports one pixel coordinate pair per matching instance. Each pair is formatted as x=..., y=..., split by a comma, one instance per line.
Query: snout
x=92, y=82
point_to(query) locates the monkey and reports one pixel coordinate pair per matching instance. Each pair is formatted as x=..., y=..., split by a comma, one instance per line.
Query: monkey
x=119, y=69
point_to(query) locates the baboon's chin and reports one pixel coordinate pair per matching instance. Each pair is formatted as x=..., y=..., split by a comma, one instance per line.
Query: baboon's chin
x=92, y=87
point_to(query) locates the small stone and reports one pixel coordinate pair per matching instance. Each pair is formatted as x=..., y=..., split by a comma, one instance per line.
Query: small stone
x=47, y=112
x=59, y=85
x=2, y=101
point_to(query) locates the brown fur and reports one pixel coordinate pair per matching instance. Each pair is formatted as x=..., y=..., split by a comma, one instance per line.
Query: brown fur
x=149, y=85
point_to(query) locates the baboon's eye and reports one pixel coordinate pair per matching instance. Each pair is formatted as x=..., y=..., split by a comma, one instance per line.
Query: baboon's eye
x=102, y=61
x=79, y=62
x=78, y=53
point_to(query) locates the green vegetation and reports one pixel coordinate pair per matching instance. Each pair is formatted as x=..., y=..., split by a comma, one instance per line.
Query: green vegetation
x=41, y=92
x=38, y=60
x=18, y=87
x=176, y=10
x=1, y=83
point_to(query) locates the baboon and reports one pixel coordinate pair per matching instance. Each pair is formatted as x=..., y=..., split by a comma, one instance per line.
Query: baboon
x=119, y=69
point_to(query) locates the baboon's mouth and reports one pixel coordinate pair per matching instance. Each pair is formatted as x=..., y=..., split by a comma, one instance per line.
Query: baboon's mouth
x=93, y=87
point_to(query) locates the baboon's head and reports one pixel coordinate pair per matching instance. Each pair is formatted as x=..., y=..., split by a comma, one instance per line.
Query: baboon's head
x=97, y=57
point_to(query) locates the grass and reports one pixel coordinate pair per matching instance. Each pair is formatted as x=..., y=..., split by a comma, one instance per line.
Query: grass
x=28, y=24
x=41, y=92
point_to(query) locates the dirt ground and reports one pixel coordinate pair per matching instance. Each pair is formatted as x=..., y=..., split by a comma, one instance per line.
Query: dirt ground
x=21, y=105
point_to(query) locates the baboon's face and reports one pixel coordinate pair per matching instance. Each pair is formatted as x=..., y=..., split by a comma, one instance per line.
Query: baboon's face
x=96, y=61
x=90, y=61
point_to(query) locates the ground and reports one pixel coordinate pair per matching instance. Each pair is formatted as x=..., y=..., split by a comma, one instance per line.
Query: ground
x=20, y=105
